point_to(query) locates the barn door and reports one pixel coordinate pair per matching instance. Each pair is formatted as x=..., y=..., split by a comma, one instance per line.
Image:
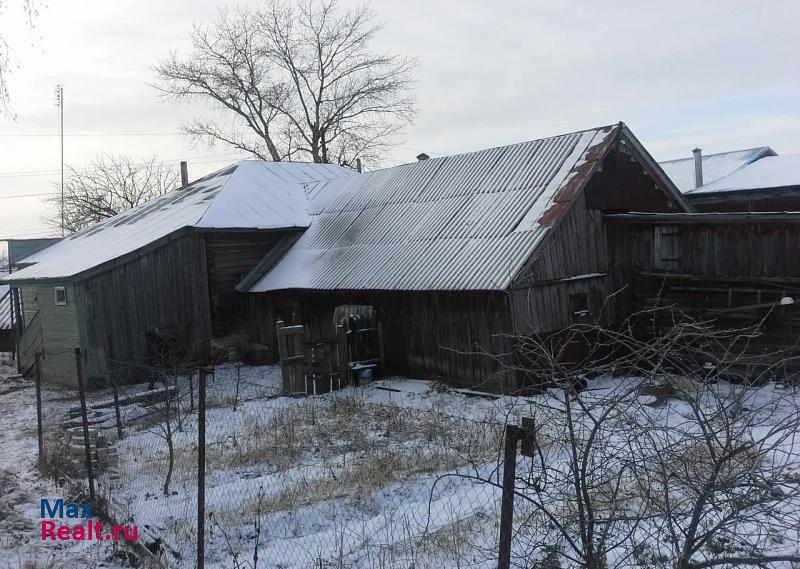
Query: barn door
x=291, y=349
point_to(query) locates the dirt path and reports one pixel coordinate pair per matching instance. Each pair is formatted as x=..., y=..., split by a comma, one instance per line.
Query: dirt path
x=21, y=488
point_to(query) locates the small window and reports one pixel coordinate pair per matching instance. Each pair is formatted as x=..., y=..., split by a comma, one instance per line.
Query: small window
x=579, y=303
x=667, y=248
x=61, y=295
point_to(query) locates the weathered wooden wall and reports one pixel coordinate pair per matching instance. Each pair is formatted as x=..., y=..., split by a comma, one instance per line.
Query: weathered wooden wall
x=763, y=200
x=755, y=249
x=574, y=257
x=59, y=329
x=231, y=255
x=726, y=273
x=431, y=335
x=166, y=287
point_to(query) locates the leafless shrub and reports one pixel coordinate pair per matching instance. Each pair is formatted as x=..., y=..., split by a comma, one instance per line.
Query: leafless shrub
x=677, y=456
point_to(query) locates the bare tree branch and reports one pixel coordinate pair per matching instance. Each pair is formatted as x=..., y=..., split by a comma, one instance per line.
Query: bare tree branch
x=110, y=185
x=299, y=81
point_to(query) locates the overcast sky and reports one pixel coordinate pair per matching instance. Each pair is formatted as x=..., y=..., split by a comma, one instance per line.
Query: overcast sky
x=720, y=75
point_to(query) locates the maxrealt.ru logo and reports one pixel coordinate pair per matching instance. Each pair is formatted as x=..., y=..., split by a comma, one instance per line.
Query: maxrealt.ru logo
x=86, y=529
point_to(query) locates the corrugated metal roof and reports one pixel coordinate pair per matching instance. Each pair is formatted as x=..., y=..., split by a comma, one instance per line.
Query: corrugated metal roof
x=715, y=166
x=466, y=222
x=250, y=194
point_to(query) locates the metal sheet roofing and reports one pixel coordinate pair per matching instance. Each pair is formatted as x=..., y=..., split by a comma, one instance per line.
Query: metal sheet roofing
x=767, y=173
x=466, y=222
x=715, y=166
x=250, y=194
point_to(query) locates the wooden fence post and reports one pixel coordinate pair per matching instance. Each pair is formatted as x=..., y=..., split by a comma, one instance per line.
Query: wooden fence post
x=85, y=421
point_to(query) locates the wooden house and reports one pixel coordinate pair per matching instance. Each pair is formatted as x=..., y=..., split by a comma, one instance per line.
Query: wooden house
x=161, y=274
x=458, y=254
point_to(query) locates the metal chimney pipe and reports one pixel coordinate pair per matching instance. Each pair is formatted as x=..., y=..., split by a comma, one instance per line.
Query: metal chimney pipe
x=698, y=167
x=184, y=174
x=358, y=165
x=422, y=157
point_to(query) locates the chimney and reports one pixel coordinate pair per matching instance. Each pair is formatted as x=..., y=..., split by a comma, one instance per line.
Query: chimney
x=358, y=165
x=698, y=167
x=184, y=174
x=422, y=157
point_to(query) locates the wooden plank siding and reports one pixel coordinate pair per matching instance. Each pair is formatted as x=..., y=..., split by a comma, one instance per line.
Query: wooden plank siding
x=431, y=335
x=574, y=258
x=166, y=288
x=230, y=256
x=764, y=250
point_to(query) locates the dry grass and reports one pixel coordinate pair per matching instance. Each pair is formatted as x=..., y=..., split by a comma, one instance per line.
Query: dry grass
x=356, y=447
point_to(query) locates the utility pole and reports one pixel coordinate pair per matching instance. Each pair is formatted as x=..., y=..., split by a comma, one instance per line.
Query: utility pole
x=60, y=103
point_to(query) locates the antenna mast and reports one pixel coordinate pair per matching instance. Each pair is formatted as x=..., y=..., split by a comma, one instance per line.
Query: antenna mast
x=60, y=103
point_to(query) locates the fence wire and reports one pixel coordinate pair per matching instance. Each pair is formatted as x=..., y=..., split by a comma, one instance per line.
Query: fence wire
x=373, y=476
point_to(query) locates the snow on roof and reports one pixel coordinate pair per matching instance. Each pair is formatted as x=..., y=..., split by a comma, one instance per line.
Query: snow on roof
x=466, y=222
x=715, y=166
x=769, y=172
x=250, y=194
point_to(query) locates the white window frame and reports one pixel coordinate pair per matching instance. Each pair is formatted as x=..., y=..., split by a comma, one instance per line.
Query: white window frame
x=56, y=290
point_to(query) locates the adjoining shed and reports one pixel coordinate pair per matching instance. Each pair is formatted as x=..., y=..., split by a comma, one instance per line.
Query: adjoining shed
x=161, y=274
x=458, y=254
x=734, y=269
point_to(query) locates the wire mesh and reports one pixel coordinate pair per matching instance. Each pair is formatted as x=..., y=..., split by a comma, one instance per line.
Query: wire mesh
x=384, y=475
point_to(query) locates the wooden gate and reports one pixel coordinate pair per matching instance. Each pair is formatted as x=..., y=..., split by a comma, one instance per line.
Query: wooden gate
x=291, y=350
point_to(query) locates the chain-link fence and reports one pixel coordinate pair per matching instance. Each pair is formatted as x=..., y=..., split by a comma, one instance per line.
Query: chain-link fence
x=396, y=473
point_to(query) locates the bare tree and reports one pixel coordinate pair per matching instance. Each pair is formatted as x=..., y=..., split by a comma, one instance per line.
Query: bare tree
x=31, y=11
x=298, y=81
x=110, y=185
x=680, y=455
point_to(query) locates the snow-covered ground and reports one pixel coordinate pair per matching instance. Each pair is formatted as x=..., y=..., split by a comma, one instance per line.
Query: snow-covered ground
x=22, y=486
x=399, y=473
x=353, y=478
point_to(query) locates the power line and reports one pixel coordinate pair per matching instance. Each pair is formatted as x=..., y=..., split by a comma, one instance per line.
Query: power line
x=208, y=159
x=27, y=134
x=26, y=195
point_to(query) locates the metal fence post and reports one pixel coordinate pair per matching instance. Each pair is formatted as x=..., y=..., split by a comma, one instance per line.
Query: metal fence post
x=191, y=392
x=201, y=467
x=38, y=376
x=112, y=376
x=513, y=434
x=117, y=412
x=85, y=421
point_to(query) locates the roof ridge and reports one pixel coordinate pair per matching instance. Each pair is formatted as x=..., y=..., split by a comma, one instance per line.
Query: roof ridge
x=499, y=146
x=761, y=148
x=736, y=170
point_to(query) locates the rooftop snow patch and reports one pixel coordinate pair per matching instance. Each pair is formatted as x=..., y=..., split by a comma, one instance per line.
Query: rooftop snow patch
x=250, y=194
x=715, y=166
x=767, y=173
